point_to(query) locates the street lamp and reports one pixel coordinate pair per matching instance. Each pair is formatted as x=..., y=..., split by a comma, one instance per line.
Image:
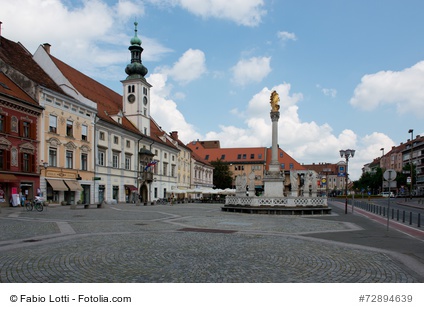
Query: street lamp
x=411, y=131
x=382, y=180
x=349, y=153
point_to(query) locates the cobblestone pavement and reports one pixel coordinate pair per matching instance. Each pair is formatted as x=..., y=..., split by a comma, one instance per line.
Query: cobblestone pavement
x=188, y=243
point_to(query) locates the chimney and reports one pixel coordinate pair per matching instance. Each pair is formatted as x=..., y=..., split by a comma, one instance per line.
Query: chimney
x=47, y=47
x=174, y=135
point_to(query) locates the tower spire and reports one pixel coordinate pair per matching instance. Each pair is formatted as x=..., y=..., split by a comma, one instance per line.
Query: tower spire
x=135, y=69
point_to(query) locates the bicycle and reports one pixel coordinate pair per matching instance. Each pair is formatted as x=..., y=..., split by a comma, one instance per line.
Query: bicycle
x=161, y=201
x=37, y=204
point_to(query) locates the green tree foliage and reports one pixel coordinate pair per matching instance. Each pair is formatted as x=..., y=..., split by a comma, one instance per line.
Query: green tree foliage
x=222, y=176
x=370, y=182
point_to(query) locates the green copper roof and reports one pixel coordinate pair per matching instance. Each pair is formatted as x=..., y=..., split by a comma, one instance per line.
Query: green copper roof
x=135, y=40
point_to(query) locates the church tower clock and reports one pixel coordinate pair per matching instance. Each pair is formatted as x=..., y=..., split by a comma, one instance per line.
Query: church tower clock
x=136, y=90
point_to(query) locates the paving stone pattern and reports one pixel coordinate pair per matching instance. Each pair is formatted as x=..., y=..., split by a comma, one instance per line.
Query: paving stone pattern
x=187, y=243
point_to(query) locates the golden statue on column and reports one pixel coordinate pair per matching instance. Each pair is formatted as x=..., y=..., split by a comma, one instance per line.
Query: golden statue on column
x=274, y=102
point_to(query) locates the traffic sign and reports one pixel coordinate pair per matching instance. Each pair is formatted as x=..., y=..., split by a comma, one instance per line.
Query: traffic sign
x=389, y=175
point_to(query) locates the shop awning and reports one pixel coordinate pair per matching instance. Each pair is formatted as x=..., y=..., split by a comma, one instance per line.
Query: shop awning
x=131, y=187
x=73, y=185
x=8, y=178
x=57, y=185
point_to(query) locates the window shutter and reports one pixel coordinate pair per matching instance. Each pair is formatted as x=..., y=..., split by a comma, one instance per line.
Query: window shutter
x=7, y=153
x=33, y=130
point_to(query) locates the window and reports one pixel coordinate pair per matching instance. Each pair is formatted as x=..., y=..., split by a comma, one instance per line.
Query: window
x=84, y=131
x=26, y=162
x=101, y=160
x=145, y=91
x=165, y=155
x=115, y=160
x=244, y=156
x=128, y=144
x=69, y=159
x=84, y=161
x=52, y=157
x=26, y=129
x=165, y=169
x=260, y=156
x=2, y=159
x=2, y=123
x=127, y=162
x=69, y=128
x=223, y=157
x=291, y=166
x=53, y=124
x=102, y=136
x=207, y=157
x=281, y=154
x=116, y=140
x=173, y=170
x=252, y=156
x=239, y=156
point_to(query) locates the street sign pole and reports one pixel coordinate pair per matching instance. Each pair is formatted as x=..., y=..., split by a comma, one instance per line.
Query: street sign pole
x=389, y=175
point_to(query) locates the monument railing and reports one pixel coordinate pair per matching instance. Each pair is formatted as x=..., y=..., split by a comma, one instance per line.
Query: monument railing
x=276, y=201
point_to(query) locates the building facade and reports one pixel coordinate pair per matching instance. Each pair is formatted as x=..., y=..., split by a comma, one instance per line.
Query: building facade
x=19, y=142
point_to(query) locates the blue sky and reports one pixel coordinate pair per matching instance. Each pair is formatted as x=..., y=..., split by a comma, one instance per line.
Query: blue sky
x=350, y=74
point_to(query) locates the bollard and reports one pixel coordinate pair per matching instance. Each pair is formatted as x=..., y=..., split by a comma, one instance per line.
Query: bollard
x=397, y=214
x=403, y=216
x=393, y=214
x=410, y=218
x=419, y=219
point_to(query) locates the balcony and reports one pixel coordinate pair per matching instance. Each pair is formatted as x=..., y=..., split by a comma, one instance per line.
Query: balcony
x=147, y=176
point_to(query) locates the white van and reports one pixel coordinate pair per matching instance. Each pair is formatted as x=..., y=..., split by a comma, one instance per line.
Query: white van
x=387, y=194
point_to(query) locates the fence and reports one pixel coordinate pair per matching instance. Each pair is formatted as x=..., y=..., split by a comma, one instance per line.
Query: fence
x=404, y=216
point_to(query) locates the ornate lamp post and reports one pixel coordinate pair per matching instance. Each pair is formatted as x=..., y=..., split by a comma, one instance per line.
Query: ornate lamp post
x=346, y=154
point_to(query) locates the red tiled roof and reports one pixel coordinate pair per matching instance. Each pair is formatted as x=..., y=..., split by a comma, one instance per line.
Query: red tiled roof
x=17, y=57
x=9, y=88
x=330, y=169
x=242, y=155
x=157, y=134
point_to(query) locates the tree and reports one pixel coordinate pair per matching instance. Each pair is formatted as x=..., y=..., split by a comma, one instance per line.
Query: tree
x=370, y=181
x=222, y=176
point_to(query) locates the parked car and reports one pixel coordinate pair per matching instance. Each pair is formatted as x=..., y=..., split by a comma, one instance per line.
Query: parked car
x=387, y=194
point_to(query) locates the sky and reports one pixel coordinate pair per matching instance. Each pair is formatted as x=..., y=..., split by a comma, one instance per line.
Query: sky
x=350, y=74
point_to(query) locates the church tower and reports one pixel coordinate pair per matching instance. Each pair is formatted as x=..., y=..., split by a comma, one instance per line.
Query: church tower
x=136, y=90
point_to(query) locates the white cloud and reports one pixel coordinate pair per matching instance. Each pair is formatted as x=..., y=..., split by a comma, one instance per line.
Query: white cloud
x=306, y=141
x=242, y=12
x=285, y=36
x=403, y=89
x=189, y=67
x=91, y=35
x=252, y=70
x=330, y=92
x=165, y=111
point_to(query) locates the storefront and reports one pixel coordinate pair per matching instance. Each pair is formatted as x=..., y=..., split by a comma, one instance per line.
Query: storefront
x=130, y=194
x=8, y=185
x=54, y=188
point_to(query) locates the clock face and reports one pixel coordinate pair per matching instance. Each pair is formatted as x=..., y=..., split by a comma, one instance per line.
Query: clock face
x=145, y=100
x=131, y=98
